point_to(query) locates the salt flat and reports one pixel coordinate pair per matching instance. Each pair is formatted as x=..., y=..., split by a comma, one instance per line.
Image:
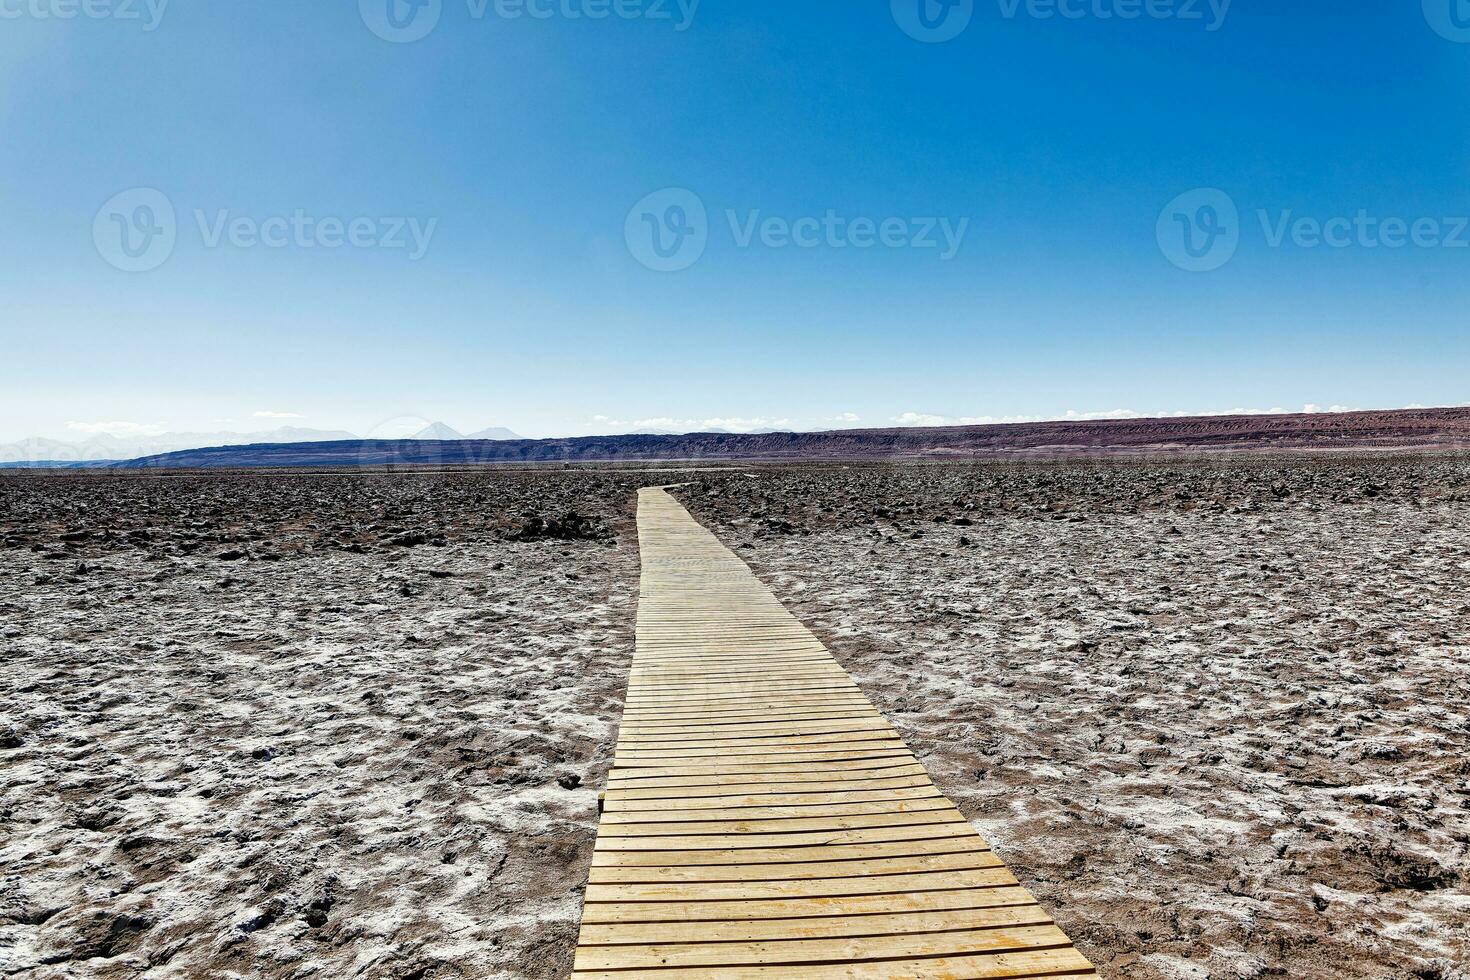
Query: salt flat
x=305, y=725
x=290, y=725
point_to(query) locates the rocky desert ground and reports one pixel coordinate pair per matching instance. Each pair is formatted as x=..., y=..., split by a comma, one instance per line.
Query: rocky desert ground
x=306, y=726
x=289, y=724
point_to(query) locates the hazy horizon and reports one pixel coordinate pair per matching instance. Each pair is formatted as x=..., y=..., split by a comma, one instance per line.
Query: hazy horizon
x=411, y=427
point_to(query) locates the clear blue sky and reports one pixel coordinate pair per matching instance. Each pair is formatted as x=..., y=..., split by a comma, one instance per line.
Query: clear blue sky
x=528, y=141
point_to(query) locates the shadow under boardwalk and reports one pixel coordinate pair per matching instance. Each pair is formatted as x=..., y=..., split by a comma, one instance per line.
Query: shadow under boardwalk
x=762, y=819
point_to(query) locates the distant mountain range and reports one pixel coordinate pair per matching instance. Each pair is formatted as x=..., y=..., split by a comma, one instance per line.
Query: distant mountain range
x=101, y=449
x=443, y=433
x=1420, y=429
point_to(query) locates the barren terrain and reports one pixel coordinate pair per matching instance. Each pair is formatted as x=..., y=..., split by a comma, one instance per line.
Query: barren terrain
x=305, y=726
x=294, y=725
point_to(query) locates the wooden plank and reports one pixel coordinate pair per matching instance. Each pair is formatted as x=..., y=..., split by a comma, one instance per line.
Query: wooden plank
x=741, y=707
x=751, y=708
x=703, y=911
x=705, y=694
x=864, y=721
x=755, y=891
x=806, y=951
x=621, y=804
x=746, y=729
x=780, y=755
x=1060, y=962
x=834, y=769
x=762, y=819
x=828, y=927
x=718, y=773
x=716, y=723
x=792, y=814
x=863, y=835
x=797, y=825
x=774, y=706
x=763, y=743
x=791, y=871
x=850, y=852
x=684, y=678
x=823, y=733
x=689, y=790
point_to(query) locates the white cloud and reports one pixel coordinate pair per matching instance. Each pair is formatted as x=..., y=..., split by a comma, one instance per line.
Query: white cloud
x=920, y=419
x=614, y=426
x=277, y=415
x=924, y=419
x=667, y=424
x=928, y=420
x=116, y=428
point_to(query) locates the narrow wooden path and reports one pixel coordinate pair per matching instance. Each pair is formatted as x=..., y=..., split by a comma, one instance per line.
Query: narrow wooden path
x=762, y=819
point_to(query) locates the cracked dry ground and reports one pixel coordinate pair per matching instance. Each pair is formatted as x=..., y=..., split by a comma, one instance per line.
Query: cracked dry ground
x=305, y=725
x=1215, y=715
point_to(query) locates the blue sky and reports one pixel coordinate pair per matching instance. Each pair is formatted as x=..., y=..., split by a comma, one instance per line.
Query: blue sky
x=518, y=147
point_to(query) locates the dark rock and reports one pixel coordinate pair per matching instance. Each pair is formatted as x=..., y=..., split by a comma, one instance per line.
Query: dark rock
x=572, y=527
x=262, y=920
x=408, y=539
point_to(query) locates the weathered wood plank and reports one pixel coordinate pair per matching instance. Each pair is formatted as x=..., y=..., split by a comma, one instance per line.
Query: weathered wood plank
x=867, y=835
x=803, y=908
x=750, y=856
x=807, y=951
x=1062, y=962
x=790, y=871
x=827, y=927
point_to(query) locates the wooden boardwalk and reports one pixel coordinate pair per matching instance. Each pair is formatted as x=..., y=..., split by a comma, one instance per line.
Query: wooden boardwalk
x=762, y=819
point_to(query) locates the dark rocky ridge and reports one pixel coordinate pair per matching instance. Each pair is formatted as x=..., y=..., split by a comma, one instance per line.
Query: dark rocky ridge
x=1432, y=428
